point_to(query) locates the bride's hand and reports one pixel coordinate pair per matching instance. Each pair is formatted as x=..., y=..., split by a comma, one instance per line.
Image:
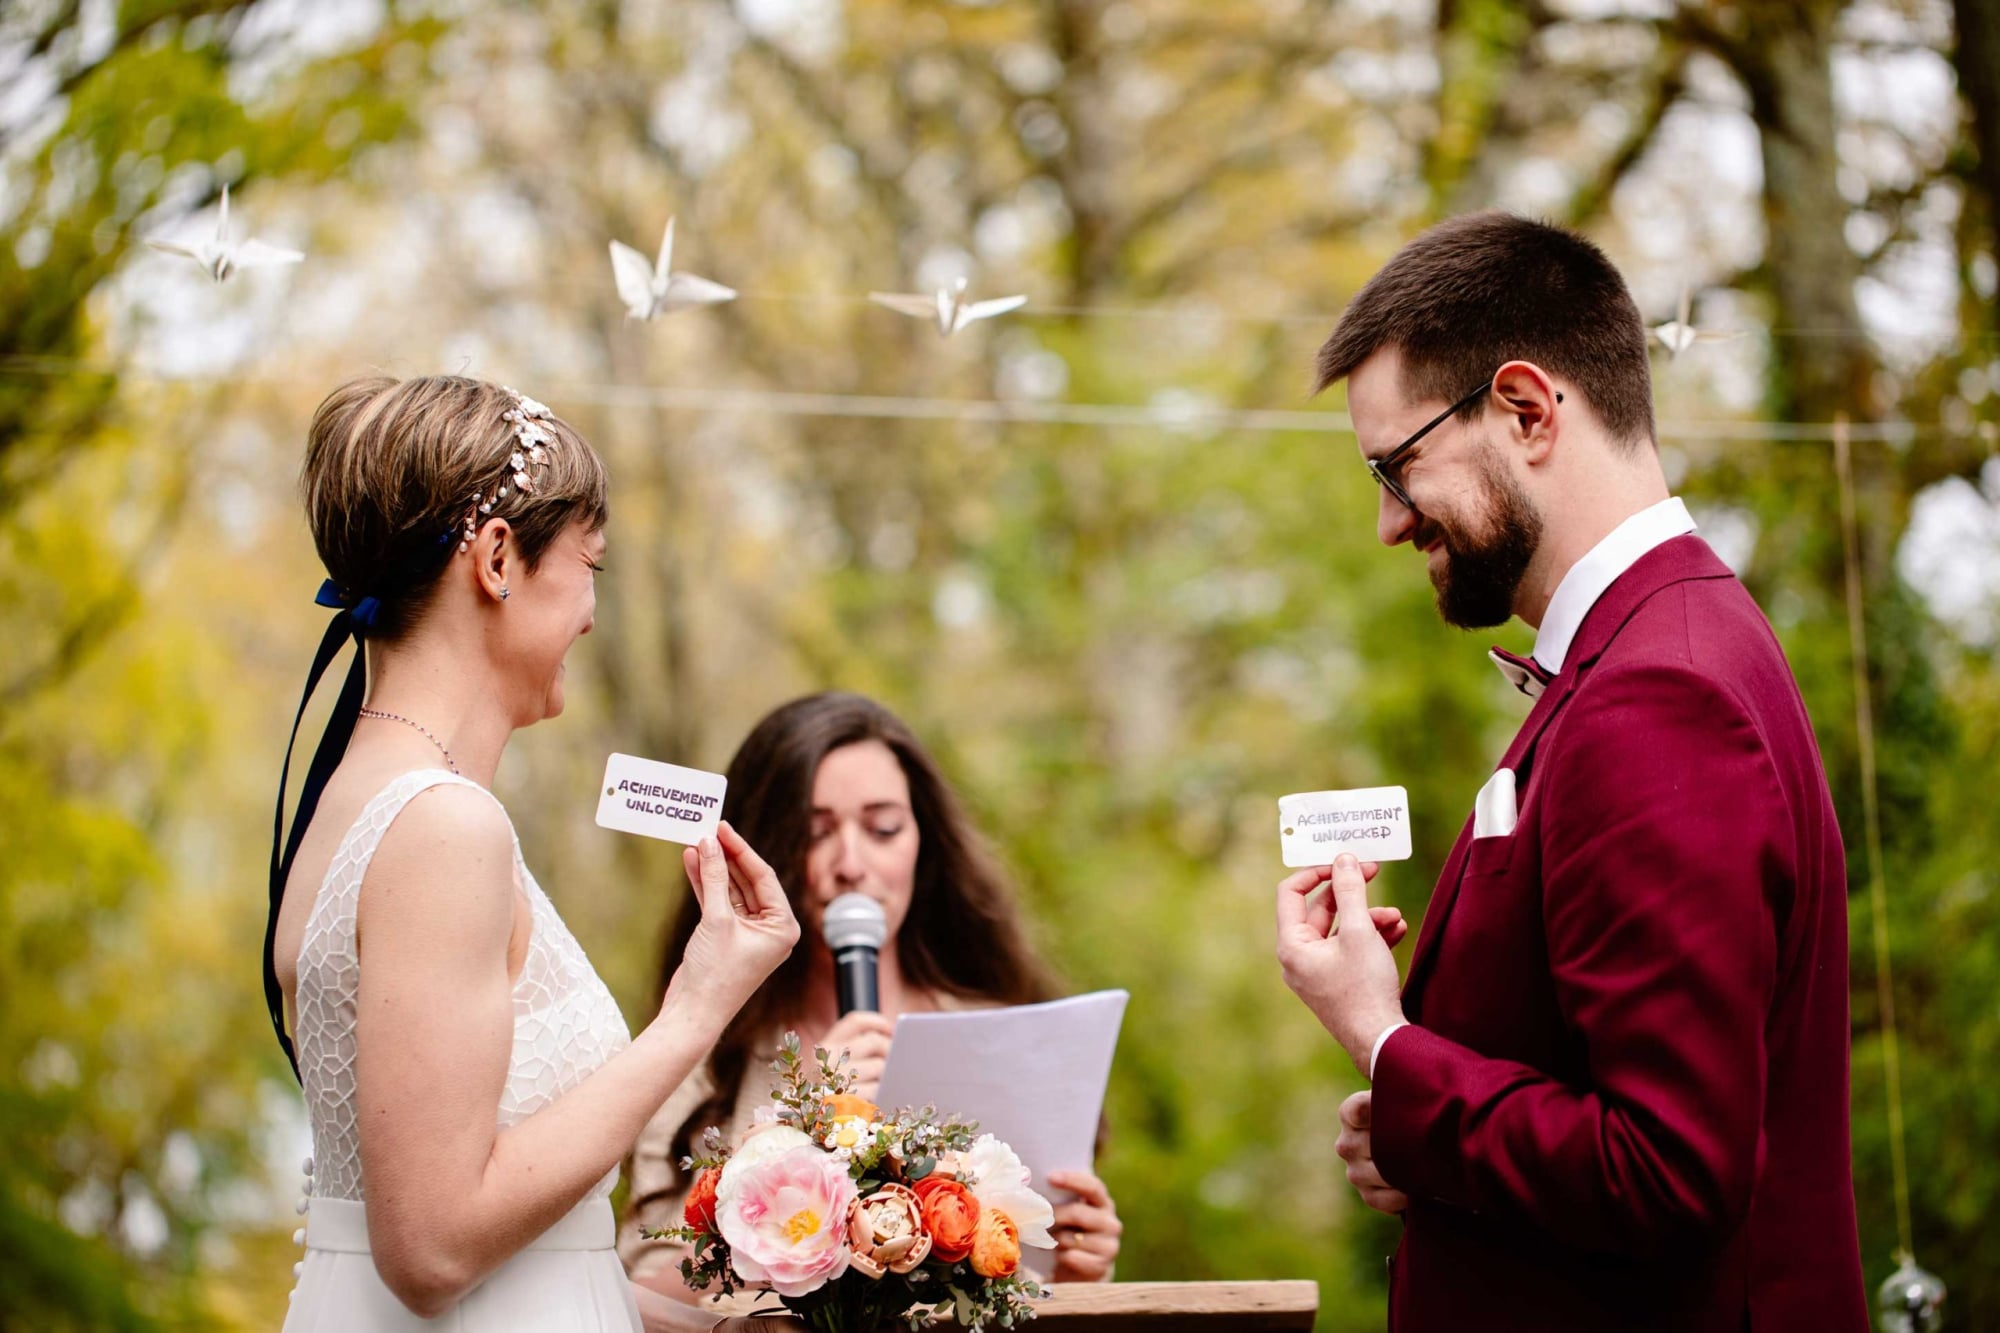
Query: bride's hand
x=746, y=930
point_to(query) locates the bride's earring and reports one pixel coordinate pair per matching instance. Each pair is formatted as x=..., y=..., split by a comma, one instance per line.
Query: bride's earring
x=503, y=592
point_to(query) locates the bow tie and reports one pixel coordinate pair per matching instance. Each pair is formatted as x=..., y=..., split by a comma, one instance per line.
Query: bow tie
x=1523, y=673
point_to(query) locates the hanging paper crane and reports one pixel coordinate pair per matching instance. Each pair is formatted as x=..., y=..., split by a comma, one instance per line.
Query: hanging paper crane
x=651, y=290
x=221, y=258
x=1679, y=333
x=948, y=307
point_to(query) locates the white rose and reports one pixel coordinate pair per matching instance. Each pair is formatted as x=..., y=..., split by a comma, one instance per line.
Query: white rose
x=1001, y=1181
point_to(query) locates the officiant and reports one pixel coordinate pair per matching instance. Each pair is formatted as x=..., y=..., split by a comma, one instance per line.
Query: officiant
x=842, y=798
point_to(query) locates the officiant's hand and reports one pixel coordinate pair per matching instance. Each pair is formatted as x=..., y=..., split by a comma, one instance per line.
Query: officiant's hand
x=865, y=1036
x=746, y=929
x=1346, y=977
x=1086, y=1229
x=1357, y=1148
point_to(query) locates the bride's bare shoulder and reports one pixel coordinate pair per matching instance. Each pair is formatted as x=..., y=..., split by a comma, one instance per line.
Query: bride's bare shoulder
x=452, y=840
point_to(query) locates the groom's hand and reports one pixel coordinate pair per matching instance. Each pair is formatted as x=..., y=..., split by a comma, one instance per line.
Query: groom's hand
x=1346, y=977
x=1356, y=1148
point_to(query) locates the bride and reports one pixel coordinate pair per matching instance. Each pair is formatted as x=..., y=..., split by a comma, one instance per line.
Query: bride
x=471, y=1085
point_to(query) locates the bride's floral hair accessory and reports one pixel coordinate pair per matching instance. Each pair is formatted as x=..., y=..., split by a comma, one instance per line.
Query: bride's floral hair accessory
x=531, y=454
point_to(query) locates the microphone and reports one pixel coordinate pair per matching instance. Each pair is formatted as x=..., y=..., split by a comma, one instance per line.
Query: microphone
x=854, y=928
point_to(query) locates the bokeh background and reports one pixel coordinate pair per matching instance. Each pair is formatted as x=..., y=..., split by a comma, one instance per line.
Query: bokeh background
x=1103, y=554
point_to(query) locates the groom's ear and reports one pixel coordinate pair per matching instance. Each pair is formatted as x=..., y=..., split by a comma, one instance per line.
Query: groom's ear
x=1527, y=397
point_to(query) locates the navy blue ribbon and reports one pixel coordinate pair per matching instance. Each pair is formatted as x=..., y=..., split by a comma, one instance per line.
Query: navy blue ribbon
x=356, y=618
x=352, y=622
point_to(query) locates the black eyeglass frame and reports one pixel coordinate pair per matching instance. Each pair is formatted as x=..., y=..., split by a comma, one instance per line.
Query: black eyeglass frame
x=1378, y=468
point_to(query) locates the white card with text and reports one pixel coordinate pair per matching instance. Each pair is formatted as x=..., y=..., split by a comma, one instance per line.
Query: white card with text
x=660, y=800
x=1373, y=823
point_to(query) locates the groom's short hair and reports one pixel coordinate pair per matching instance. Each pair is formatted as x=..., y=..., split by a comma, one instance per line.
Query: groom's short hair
x=1473, y=293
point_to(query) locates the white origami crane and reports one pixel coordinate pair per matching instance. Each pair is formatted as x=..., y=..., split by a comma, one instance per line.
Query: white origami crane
x=948, y=307
x=1679, y=333
x=651, y=290
x=221, y=258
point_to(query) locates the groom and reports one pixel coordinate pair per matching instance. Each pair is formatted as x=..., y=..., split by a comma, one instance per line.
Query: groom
x=1612, y=1093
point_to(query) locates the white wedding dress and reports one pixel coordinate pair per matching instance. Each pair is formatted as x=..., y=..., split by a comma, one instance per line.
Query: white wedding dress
x=565, y=1025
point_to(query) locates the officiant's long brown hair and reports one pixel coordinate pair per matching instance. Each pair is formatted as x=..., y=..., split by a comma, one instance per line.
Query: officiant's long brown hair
x=963, y=933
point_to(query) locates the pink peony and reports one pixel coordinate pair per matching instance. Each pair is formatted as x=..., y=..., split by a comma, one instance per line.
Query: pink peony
x=760, y=1142
x=786, y=1221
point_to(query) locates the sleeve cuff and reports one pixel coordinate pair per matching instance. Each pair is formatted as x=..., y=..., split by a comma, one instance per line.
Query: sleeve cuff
x=1376, y=1053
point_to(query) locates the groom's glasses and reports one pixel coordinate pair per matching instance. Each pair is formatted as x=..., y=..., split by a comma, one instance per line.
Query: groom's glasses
x=1385, y=468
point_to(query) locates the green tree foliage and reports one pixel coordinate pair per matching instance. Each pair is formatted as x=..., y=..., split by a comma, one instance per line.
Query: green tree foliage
x=127, y=1115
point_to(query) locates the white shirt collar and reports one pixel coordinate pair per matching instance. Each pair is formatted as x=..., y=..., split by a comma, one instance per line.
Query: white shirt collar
x=1601, y=567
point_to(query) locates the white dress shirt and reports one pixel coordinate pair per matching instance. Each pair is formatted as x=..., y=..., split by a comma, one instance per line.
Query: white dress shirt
x=1600, y=567
x=1579, y=590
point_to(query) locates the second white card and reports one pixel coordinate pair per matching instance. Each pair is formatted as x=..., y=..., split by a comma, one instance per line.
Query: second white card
x=1372, y=823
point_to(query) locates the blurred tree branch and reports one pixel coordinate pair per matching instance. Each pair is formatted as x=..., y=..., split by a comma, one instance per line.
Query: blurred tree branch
x=1664, y=86
x=84, y=225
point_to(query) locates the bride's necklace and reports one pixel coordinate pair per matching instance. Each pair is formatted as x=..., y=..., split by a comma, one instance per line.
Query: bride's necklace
x=398, y=717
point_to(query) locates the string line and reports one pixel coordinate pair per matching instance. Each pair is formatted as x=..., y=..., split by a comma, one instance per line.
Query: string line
x=1189, y=415
x=1871, y=814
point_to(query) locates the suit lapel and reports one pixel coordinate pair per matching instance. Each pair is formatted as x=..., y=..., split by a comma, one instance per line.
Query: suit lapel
x=1675, y=561
x=1446, y=894
x=1678, y=561
x=1442, y=897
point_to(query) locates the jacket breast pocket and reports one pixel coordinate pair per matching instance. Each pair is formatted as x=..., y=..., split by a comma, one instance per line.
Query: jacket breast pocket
x=1489, y=856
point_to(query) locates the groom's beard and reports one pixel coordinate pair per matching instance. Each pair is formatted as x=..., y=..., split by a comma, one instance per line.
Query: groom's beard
x=1482, y=572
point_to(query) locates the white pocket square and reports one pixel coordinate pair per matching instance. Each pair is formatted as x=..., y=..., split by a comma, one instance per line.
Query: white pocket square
x=1493, y=812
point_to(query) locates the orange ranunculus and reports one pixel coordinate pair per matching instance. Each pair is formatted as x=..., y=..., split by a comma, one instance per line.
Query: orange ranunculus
x=700, y=1210
x=951, y=1214
x=996, y=1245
x=844, y=1104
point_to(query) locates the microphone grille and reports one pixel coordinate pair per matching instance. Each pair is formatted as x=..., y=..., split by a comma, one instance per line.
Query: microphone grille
x=851, y=919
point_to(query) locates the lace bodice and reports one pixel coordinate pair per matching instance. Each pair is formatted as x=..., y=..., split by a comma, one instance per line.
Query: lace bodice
x=565, y=1022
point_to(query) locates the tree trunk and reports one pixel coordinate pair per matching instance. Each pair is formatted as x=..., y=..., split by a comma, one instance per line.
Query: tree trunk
x=1824, y=360
x=1977, y=60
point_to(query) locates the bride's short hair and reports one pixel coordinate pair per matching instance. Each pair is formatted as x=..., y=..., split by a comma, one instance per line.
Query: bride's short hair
x=394, y=469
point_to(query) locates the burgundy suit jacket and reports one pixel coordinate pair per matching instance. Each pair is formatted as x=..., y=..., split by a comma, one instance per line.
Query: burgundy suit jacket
x=1623, y=1101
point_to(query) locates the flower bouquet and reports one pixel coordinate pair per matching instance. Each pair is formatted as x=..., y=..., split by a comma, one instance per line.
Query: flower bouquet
x=855, y=1218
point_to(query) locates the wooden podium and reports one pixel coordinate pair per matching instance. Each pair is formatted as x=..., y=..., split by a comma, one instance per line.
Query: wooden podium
x=1143, y=1307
